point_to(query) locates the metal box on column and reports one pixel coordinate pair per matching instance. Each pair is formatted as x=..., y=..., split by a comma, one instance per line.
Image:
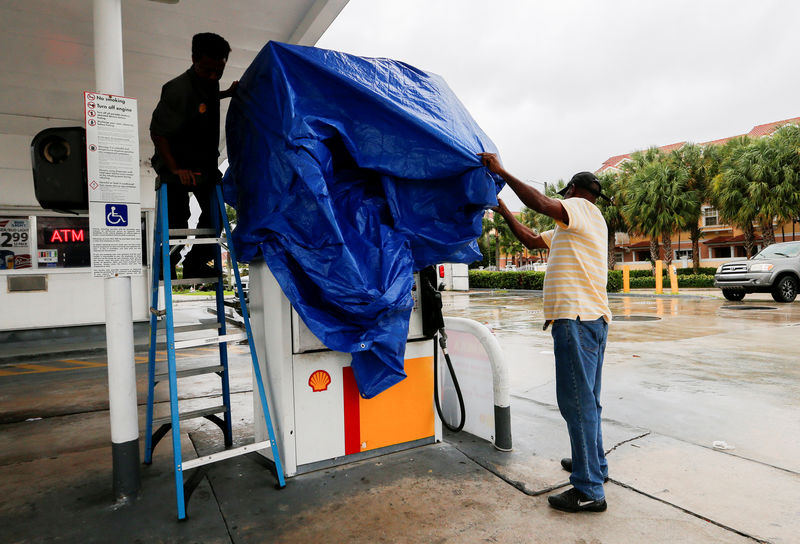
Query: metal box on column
x=320, y=418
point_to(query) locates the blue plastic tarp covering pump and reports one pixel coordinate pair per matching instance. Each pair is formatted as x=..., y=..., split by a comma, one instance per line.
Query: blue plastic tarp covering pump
x=348, y=174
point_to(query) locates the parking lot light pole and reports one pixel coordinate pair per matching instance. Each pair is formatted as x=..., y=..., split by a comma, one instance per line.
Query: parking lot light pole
x=123, y=411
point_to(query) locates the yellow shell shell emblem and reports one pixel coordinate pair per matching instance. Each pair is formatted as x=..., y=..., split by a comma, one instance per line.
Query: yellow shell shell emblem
x=319, y=381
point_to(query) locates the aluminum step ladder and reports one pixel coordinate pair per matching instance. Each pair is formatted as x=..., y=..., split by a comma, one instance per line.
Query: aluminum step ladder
x=163, y=246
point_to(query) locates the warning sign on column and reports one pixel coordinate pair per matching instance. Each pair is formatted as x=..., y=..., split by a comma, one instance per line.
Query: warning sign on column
x=115, y=239
x=112, y=151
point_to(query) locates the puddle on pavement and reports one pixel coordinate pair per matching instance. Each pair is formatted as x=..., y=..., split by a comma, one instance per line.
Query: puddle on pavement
x=748, y=308
x=639, y=319
x=636, y=318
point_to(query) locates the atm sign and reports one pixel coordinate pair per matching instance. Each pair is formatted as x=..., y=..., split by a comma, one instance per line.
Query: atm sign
x=63, y=236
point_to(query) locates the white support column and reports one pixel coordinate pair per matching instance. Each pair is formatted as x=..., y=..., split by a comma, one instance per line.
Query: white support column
x=119, y=316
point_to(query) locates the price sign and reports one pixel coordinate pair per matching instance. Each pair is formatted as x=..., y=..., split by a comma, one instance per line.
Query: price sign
x=15, y=244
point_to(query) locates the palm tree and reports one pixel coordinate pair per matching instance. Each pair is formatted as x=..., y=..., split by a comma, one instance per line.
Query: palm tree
x=658, y=201
x=495, y=232
x=538, y=222
x=612, y=212
x=730, y=190
x=702, y=164
x=632, y=185
x=775, y=183
x=512, y=246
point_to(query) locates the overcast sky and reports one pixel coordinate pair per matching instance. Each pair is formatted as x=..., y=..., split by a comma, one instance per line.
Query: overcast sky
x=561, y=85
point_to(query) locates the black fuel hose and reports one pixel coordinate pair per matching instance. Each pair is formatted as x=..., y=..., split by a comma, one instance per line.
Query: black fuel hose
x=443, y=343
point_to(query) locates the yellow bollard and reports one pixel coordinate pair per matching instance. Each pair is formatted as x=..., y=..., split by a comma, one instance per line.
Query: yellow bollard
x=673, y=279
x=659, y=277
x=626, y=279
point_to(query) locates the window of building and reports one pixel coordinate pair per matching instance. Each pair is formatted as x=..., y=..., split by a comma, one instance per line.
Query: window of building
x=619, y=256
x=642, y=255
x=683, y=254
x=710, y=216
x=721, y=252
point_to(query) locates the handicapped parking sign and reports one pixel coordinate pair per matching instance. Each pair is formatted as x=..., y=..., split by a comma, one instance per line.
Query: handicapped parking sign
x=116, y=215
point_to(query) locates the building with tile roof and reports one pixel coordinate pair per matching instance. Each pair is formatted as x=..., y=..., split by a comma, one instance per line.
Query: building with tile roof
x=720, y=242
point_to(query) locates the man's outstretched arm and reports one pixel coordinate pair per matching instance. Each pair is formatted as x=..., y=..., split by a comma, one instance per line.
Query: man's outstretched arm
x=528, y=195
x=524, y=234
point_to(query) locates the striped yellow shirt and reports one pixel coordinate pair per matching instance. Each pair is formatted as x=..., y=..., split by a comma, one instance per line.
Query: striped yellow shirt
x=577, y=270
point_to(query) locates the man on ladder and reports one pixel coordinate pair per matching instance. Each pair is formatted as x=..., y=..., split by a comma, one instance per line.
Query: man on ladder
x=185, y=131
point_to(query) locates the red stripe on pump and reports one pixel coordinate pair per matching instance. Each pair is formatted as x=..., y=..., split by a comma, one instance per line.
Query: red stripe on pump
x=352, y=415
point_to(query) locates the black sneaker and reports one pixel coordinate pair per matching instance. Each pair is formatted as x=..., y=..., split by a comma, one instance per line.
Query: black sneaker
x=566, y=464
x=573, y=500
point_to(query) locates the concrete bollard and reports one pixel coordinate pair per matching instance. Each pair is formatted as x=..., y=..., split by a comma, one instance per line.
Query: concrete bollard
x=659, y=277
x=626, y=279
x=673, y=279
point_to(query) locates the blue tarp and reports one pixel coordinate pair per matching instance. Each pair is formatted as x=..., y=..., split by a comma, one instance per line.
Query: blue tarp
x=348, y=174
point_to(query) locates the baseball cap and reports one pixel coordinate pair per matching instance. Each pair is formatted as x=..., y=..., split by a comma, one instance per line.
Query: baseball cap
x=588, y=181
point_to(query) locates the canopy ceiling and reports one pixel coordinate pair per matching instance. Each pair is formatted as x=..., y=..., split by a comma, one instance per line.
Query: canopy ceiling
x=48, y=56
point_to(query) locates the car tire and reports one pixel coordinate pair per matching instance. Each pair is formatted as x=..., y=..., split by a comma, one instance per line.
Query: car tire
x=733, y=294
x=785, y=289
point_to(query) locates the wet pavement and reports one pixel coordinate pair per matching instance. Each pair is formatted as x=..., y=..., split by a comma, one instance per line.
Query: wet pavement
x=705, y=370
x=681, y=375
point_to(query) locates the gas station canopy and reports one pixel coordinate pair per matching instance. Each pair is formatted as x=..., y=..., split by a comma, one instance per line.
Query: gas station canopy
x=48, y=58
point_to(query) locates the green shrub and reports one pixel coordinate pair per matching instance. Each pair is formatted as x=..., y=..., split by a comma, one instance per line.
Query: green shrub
x=686, y=280
x=696, y=280
x=646, y=282
x=528, y=279
x=703, y=270
x=614, y=281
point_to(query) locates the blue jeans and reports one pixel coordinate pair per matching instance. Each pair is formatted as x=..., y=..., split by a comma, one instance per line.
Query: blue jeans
x=579, y=347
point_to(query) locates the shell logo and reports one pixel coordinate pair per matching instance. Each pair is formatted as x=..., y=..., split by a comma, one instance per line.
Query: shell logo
x=319, y=381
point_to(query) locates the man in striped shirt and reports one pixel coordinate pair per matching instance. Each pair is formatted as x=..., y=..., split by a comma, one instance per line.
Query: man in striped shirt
x=576, y=304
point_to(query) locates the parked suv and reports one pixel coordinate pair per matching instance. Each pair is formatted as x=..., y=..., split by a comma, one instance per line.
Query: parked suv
x=776, y=270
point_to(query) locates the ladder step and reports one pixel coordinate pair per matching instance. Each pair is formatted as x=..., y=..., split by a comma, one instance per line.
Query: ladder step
x=227, y=454
x=183, y=333
x=184, y=241
x=202, y=412
x=203, y=326
x=192, y=232
x=210, y=325
x=193, y=281
x=161, y=376
x=210, y=340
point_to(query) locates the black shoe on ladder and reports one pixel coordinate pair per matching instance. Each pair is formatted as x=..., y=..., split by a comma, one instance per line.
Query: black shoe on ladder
x=162, y=248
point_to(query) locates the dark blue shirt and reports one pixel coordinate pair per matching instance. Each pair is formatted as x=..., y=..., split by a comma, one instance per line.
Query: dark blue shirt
x=187, y=115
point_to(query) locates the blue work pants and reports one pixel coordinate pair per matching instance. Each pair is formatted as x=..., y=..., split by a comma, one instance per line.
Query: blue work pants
x=579, y=347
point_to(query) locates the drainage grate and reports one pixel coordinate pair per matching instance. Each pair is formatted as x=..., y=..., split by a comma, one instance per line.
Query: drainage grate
x=636, y=318
x=749, y=307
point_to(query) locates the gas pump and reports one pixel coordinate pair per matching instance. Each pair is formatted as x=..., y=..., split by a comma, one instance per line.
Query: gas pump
x=433, y=325
x=319, y=416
